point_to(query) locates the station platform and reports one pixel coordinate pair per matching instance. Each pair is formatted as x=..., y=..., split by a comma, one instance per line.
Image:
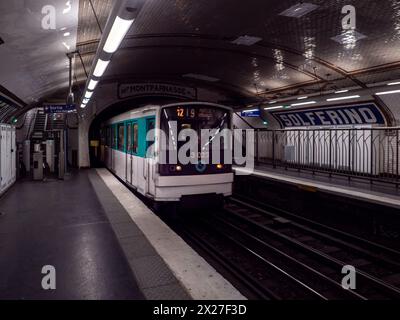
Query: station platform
x=376, y=193
x=103, y=242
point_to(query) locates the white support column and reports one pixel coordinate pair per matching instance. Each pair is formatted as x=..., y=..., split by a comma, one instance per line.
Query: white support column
x=83, y=136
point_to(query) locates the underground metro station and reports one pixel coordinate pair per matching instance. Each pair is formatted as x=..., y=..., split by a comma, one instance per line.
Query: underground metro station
x=180, y=150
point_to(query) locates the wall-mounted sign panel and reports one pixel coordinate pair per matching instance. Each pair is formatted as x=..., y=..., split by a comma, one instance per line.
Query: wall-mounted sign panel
x=251, y=113
x=133, y=90
x=59, y=108
x=360, y=114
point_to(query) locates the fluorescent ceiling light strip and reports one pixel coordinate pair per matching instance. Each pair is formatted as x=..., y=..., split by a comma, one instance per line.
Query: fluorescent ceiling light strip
x=274, y=108
x=343, y=98
x=393, y=83
x=252, y=110
x=272, y=102
x=92, y=84
x=303, y=103
x=85, y=101
x=83, y=106
x=100, y=68
x=302, y=98
x=88, y=94
x=118, y=32
x=341, y=91
x=387, y=92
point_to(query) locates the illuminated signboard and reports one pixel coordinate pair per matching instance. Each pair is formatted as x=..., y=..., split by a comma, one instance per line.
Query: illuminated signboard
x=360, y=114
x=59, y=108
x=251, y=113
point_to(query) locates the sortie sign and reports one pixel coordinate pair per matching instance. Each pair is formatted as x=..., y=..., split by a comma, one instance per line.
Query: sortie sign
x=128, y=90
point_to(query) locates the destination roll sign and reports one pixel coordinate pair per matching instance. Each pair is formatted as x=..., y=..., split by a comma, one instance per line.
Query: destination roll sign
x=368, y=113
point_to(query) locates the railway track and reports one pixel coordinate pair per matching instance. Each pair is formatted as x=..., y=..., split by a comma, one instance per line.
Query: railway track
x=380, y=250
x=273, y=257
x=378, y=274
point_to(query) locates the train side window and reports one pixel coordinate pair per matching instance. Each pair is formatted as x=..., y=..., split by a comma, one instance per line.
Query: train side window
x=121, y=137
x=129, y=138
x=150, y=125
x=113, y=137
x=109, y=137
x=135, y=138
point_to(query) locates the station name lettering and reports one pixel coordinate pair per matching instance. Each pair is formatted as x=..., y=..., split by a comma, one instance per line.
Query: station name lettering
x=354, y=115
x=144, y=89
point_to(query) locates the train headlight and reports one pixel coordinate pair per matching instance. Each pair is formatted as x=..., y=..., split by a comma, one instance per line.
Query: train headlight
x=220, y=166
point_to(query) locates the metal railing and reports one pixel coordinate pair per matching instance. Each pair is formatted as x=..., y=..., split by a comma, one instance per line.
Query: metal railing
x=371, y=154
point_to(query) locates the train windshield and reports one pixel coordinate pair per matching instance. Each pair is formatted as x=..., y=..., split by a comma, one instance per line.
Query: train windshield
x=195, y=118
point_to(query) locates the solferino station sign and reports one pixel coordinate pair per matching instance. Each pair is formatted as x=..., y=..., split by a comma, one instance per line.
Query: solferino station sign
x=368, y=113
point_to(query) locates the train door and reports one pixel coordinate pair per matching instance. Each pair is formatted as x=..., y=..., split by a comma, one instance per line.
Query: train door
x=8, y=155
x=13, y=155
x=129, y=156
x=112, y=128
x=150, y=162
x=3, y=154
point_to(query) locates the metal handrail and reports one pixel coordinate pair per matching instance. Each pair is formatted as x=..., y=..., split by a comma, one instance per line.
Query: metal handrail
x=367, y=153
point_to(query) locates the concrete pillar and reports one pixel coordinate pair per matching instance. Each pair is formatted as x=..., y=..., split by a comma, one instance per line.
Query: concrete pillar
x=83, y=138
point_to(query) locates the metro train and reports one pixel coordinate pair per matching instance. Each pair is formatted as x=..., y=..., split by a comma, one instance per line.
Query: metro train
x=128, y=152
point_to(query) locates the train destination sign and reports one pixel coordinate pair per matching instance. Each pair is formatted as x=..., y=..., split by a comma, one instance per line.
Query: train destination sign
x=368, y=113
x=128, y=90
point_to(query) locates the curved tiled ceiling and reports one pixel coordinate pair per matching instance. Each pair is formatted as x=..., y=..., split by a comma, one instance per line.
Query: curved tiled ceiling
x=173, y=38
x=33, y=59
x=176, y=37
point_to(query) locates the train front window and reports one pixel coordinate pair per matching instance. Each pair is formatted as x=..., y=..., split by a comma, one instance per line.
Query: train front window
x=197, y=118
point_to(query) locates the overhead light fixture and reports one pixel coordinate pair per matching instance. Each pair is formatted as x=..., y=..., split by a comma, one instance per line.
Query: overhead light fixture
x=92, y=84
x=121, y=18
x=341, y=91
x=67, y=34
x=85, y=101
x=200, y=77
x=101, y=66
x=302, y=98
x=88, y=94
x=273, y=108
x=344, y=98
x=303, y=103
x=393, y=83
x=387, y=92
x=83, y=105
x=246, y=40
x=118, y=31
x=252, y=110
x=299, y=10
x=272, y=102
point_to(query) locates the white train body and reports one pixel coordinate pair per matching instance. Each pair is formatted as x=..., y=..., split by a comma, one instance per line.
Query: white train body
x=129, y=160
